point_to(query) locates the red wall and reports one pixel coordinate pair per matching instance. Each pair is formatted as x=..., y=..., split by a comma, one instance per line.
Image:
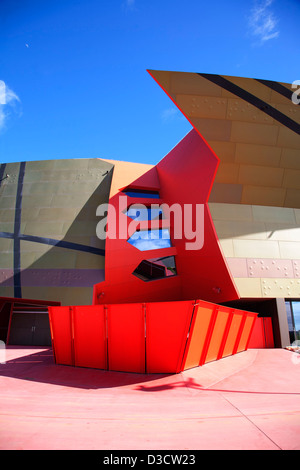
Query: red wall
x=184, y=176
x=262, y=335
x=154, y=337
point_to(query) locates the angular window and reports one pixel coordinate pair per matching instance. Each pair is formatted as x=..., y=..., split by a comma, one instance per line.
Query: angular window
x=141, y=193
x=141, y=212
x=156, y=268
x=145, y=240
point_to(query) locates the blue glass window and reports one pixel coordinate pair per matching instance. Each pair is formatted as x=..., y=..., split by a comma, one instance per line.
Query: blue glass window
x=141, y=213
x=145, y=240
x=141, y=193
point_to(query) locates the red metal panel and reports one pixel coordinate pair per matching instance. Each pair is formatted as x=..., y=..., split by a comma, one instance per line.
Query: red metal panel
x=60, y=326
x=257, y=340
x=268, y=332
x=201, y=320
x=89, y=330
x=254, y=316
x=126, y=337
x=217, y=335
x=226, y=333
x=208, y=336
x=246, y=333
x=9, y=322
x=262, y=334
x=167, y=326
x=178, y=335
x=232, y=334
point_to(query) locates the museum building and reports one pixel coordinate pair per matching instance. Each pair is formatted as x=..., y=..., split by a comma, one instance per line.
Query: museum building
x=152, y=301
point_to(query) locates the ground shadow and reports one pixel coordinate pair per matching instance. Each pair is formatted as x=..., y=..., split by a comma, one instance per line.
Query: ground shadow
x=40, y=367
x=188, y=383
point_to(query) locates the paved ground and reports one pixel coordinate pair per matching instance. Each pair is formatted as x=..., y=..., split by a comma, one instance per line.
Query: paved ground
x=247, y=401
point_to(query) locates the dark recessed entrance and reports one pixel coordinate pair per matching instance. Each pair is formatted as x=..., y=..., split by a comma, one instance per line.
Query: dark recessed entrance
x=30, y=328
x=25, y=322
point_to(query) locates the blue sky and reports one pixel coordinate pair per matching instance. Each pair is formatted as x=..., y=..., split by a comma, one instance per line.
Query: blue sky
x=73, y=80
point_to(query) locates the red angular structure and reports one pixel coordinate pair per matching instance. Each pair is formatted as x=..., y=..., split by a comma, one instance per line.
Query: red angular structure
x=142, y=318
x=183, y=177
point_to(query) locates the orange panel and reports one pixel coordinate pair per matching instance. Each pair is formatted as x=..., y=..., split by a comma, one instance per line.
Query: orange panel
x=217, y=335
x=124, y=173
x=167, y=326
x=232, y=335
x=60, y=324
x=89, y=336
x=126, y=337
x=197, y=336
x=246, y=333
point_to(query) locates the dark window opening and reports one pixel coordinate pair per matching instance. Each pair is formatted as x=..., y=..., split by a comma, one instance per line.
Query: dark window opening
x=141, y=193
x=157, y=268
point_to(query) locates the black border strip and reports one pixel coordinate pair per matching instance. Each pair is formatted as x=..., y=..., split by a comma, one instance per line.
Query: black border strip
x=254, y=100
x=2, y=169
x=282, y=90
x=17, y=227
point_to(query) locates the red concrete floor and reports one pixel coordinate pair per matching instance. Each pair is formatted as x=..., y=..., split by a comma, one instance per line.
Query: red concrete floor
x=249, y=401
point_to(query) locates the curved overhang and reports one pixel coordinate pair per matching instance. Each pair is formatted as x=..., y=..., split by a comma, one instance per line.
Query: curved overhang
x=252, y=125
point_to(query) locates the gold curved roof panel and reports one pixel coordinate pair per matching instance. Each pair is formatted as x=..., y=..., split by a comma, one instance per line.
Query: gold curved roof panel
x=254, y=128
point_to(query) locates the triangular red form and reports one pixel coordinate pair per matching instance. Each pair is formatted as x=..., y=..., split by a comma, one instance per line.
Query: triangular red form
x=184, y=176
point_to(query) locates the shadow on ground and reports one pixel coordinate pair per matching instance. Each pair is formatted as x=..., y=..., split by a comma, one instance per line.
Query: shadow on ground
x=40, y=367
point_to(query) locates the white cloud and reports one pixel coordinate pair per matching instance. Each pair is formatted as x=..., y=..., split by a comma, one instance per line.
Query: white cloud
x=8, y=100
x=129, y=4
x=262, y=22
x=169, y=114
